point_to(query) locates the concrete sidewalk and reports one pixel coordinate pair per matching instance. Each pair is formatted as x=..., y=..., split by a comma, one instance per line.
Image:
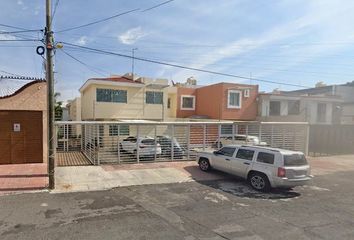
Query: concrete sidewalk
x=89, y=178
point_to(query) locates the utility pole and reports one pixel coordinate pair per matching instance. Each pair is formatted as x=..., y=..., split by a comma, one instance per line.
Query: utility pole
x=133, y=50
x=50, y=93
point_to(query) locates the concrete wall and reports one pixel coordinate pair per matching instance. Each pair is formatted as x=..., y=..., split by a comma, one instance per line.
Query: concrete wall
x=135, y=108
x=34, y=98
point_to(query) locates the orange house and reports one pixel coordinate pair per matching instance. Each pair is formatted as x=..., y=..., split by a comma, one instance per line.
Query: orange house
x=225, y=101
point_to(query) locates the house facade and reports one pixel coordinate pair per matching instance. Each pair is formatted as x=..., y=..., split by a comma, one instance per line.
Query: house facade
x=280, y=107
x=23, y=120
x=121, y=97
x=221, y=101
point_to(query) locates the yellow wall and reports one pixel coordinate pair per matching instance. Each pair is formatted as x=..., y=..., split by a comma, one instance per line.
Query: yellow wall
x=135, y=108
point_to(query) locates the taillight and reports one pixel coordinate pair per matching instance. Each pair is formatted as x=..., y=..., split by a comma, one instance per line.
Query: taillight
x=281, y=172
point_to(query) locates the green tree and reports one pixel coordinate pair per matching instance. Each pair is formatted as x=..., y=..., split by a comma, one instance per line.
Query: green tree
x=58, y=109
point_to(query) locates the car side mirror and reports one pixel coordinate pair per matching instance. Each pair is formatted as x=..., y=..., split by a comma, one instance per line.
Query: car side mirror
x=216, y=152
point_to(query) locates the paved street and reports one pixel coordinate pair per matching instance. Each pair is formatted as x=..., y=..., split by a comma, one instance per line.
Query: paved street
x=211, y=209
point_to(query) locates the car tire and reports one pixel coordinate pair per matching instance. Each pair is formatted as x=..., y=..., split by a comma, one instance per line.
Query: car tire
x=259, y=182
x=204, y=164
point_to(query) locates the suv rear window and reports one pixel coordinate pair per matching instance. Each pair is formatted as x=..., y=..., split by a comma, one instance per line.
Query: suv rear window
x=265, y=157
x=148, y=141
x=295, y=160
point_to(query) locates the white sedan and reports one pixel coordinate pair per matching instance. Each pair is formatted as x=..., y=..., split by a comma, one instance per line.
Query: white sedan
x=147, y=146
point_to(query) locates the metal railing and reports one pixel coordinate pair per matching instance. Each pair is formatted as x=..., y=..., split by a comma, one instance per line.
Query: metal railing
x=133, y=142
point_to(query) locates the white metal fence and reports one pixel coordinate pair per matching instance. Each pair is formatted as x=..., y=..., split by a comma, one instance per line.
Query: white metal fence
x=132, y=142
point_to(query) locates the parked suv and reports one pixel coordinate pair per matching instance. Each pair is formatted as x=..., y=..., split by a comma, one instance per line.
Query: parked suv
x=146, y=145
x=263, y=167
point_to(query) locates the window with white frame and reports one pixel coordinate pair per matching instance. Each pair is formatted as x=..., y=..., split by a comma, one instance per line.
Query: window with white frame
x=234, y=99
x=187, y=102
x=246, y=93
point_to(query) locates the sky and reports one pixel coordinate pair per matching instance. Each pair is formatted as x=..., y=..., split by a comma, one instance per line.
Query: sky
x=300, y=42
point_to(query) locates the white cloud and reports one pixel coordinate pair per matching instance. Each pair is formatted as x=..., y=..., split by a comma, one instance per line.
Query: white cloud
x=82, y=41
x=314, y=20
x=132, y=35
x=19, y=2
x=7, y=37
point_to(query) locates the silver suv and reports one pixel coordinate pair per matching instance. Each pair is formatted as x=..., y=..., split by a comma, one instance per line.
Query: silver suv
x=263, y=167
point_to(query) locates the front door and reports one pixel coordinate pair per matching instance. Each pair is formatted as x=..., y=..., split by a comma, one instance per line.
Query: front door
x=21, y=137
x=242, y=162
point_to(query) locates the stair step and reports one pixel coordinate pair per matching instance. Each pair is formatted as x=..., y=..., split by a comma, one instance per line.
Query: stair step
x=23, y=183
x=23, y=170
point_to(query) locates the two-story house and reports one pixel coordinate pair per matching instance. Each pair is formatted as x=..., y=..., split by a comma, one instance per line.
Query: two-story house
x=121, y=97
x=221, y=101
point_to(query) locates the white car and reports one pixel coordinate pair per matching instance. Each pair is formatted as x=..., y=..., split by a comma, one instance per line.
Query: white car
x=239, y=139
x=263, y=167
x=147, y=147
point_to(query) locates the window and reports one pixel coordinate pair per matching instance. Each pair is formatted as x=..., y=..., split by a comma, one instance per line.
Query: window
x=245, y=154
x=246, y=93
x=265, y=158
x=226, y=129
x=123, y=130
x=293, y=107
x=130, y=139
x=111, y=95
x=169, y=103
x=321, y=112
x=274, y=108
x=187, y=102
x=227, y=151
x=295, y=160
x=234, y=99
x=154, y=97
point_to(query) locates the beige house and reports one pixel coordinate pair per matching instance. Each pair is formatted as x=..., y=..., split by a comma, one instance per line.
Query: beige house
x=121, y=97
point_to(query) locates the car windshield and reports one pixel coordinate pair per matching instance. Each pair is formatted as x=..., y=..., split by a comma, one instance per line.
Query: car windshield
x=295, y=160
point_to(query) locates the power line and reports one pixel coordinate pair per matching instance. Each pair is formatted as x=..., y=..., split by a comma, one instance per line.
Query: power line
x=19, y=40
x=14, y=27
x=184, y=67
x=83, y=63
x=156, y=6
x=98, y=21
x=22, y=31
x=54, y=11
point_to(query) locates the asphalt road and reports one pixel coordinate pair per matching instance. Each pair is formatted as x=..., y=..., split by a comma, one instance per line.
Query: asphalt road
x=226, y=209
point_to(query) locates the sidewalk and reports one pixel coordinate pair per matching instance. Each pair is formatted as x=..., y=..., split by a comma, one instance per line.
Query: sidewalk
x=84, y=178
x=23, y=177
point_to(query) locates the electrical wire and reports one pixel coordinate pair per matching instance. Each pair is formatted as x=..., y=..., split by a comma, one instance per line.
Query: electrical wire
x=14, y=27
x=22, y=31
x=184, y=67
x=98, y=21
x=54, y=11
x=83, y=63
x=156, y=6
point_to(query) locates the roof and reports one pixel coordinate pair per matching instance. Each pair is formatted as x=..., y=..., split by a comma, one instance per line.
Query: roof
x=114, y=80
x=117, y=79
x=281, y=150
x=10, y=86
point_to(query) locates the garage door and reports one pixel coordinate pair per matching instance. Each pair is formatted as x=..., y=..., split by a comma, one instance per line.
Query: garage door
x=21, y=137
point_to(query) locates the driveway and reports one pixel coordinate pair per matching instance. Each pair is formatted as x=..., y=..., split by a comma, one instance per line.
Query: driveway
x=201, y=209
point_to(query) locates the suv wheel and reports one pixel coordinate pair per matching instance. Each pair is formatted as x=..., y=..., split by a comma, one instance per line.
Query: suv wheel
x=204, y=164
x=259, y=181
